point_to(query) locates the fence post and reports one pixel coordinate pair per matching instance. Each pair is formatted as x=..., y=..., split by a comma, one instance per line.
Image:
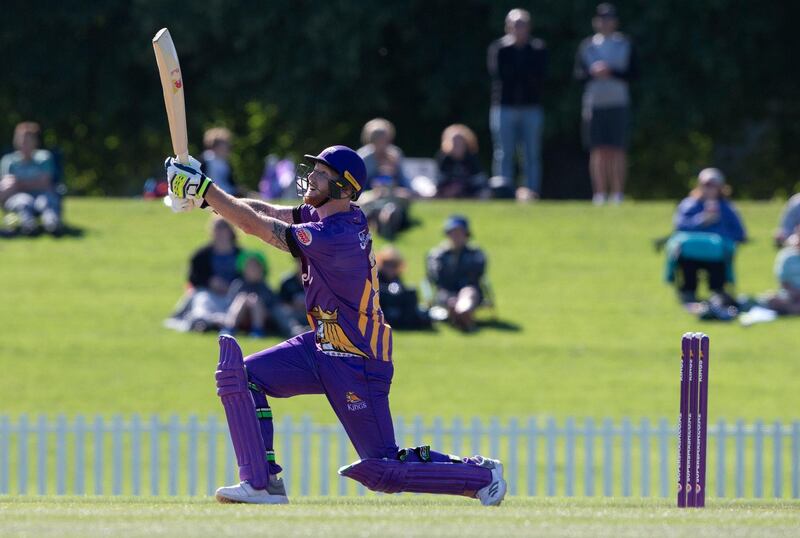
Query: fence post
x=211, y=457
x=588, y=473
x=532, y=460
x=22, y=455
x=796, y=459
x=41, y=456
x=438, y=434
x=476, y=435
x=172, y=462
x=342, y=442
x=324, y=462
x=626, y=457
x=116, y=455
x=61, y=455
x=758, y=470
x=494, y=438
x=608, y=457
x=569, y=441
x=551, y=456
x=80, y=467
x=777, y=460
x=513, y=441
x=155, y=479
x=739, y=458
x=99, y=435
x=720, y=475
x=5, y=468
x=229, y=458
x=136, y=455
x=288, y=432
x=458, y=435
x=664, y=431
x=644, y=448
x=305, y=455
x=419, y=433
x=191, y=471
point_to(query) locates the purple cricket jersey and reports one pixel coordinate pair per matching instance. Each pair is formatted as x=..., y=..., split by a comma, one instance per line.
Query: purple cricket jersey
x=341, y=284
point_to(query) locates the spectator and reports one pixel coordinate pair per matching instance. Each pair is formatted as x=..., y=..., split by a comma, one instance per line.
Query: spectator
x=606, y=63
x=517, y=66
x=460, y=174
x=456, y=269
x=293, y=296
x=27, y=190
x=707, y=229
x=786, y=301
x=790, y=220
x=212, y=268
x=381, y=157
x=215, y=161
x=386, y=203
x=399, y=303
x=253, y=306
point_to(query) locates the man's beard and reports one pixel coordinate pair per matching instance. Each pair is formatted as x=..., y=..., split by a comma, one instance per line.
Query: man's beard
x=315, y=198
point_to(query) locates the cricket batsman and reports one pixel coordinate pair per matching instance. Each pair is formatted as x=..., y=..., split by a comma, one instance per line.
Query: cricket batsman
x=348, y=354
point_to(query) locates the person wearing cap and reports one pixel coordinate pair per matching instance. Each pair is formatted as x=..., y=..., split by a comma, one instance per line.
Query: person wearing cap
x=606, y=63
x=456, y=268
x=347, y=356
x=707, y=230
x=517, y=66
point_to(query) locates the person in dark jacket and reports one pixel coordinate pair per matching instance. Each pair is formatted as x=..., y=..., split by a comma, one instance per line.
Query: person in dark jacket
x=707, y=216
x=399, y=303
x=517, y=66
x=460, y=174
x=456, y=269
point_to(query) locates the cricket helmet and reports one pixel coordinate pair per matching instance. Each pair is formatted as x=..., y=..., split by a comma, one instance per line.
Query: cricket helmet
x=346, y=162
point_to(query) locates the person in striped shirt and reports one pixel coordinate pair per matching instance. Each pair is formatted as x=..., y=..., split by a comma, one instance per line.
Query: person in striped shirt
x=347, y=356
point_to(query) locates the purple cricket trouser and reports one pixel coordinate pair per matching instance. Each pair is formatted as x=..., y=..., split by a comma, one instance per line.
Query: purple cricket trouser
x=357, y=389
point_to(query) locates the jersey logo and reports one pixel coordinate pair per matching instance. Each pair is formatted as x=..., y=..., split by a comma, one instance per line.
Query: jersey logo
x=364, y=237
x=330, y=336
x=303, y=236
x=354, y=403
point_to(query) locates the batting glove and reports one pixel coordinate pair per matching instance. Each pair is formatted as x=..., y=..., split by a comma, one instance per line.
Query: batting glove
x=183, y=205
x=186, y=181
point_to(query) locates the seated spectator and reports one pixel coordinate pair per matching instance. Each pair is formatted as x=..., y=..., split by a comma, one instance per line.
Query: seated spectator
x=707, y=230
x=460, y=174
x=205, y=304
x=27, y=190
x=293, y=295
x=786, y=301
x=215, y=161
x=253, y=306
x=456, y=269
x=399, y=303
x=381, y=157
x=790, y=220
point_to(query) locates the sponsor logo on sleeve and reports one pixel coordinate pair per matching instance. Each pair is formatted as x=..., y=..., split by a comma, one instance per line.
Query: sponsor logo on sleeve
x=303, y=236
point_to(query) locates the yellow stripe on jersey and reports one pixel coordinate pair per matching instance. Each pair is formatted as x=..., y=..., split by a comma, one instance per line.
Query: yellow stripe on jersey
x=373, y=344
x=362, y=308
x=387, y=334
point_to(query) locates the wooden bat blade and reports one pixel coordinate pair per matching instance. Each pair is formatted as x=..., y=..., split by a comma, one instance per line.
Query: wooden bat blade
x=169, y=69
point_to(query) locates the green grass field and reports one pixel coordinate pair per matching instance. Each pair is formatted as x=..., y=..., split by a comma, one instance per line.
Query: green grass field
x=599, y=330
x=406, y=516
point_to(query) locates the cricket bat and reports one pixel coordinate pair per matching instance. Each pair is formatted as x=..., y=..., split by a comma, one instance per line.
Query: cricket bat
x=169, y=68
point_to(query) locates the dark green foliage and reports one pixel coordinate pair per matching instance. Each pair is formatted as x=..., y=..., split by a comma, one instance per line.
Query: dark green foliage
x=718, y=83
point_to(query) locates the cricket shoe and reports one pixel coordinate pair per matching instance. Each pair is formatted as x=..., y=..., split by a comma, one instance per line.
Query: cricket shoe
x=492, y=495
x=275, y=493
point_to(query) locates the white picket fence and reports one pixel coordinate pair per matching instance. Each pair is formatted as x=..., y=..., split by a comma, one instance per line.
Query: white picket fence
x=157, y=456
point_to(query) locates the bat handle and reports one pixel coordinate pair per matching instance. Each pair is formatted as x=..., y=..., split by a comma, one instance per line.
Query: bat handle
x=183, y=158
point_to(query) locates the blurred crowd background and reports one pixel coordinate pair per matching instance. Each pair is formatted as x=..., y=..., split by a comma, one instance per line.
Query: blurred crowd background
x=716, y=85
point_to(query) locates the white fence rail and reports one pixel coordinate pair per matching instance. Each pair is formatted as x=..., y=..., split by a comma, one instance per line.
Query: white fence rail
x=157, y=456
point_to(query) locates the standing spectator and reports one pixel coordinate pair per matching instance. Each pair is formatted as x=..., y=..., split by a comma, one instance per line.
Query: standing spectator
x=707, y=230
x=460, y=174
x=517, y=67
x=456, y=269
x=790, y=220
x=381, y=157
x=27, y=191
x=606, y=63
x=215, y=161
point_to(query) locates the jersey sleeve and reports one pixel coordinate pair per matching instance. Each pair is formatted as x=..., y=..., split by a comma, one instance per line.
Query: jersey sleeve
x=303, y=213
x=311, y=240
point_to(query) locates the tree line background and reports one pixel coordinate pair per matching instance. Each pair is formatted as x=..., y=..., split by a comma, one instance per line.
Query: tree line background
x=718, y=84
